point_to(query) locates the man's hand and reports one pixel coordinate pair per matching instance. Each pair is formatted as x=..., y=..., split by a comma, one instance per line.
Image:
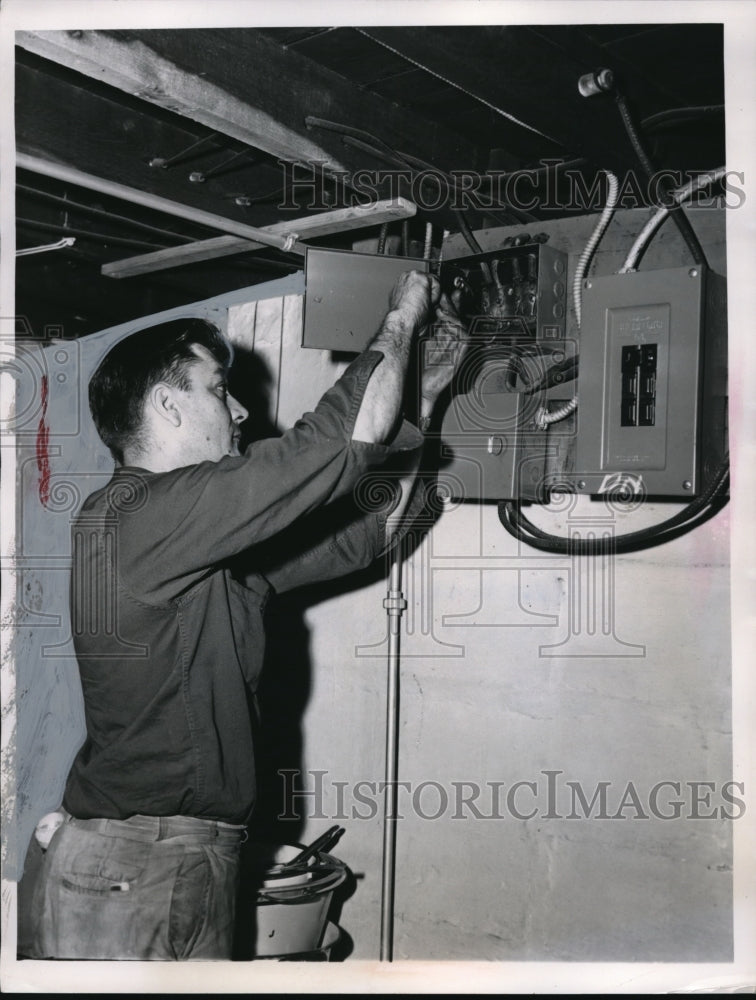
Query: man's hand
x=411, y=306
x=414, y=297
x=442, y=354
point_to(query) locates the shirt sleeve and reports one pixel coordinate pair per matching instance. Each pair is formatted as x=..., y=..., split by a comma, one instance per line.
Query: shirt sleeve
x=337, y=542
x=179, y=524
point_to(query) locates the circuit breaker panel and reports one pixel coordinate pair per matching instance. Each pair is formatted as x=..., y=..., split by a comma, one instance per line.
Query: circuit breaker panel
x=652, y=385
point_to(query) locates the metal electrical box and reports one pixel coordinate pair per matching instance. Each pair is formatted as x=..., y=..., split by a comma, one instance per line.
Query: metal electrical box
x=652, y=386
x=514, y=304
x=347, y=296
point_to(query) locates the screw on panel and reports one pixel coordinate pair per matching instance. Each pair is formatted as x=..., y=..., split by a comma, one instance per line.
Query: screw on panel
x=687, y=484
x=693, y=272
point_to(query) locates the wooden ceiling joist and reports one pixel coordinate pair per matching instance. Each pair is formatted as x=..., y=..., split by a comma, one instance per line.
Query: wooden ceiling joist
x=243, y=85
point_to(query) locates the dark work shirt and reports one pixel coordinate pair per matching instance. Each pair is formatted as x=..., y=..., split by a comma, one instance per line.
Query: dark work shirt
x=169, y=639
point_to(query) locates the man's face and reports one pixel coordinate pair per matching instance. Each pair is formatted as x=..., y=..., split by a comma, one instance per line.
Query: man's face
x=211, y=417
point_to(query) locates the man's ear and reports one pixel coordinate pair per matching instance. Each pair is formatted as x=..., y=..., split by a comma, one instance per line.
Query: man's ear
x=164, y=403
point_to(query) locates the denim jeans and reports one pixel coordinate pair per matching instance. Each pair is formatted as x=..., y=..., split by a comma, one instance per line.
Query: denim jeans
x=147, y=887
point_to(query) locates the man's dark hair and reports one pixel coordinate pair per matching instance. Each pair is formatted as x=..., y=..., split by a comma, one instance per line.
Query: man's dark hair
x=161, y=353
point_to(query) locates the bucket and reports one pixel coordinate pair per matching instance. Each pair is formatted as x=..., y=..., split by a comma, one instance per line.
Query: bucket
x=292, y=910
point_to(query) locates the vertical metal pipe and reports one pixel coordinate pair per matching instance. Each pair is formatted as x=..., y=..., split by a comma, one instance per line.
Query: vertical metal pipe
x=395, y=605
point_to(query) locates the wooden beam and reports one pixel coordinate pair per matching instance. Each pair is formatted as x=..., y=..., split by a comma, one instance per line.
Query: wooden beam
x=244, y=85
x=134, y=68
x=68, y=118
x=339, y=220
x=284, y=239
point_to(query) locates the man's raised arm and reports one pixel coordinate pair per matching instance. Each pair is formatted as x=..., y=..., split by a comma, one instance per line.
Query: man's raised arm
x=411, y=306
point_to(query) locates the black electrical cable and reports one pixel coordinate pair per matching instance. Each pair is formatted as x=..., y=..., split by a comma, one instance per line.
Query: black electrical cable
x=467, y=233
x=369, y=143
x=557, y=374
x=697, y=512
x=476, y=248
x=676, y=212
x=516, y=214
x=676, y=116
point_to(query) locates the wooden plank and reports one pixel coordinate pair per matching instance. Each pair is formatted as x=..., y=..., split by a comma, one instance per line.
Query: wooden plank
x=247, y=86
x=338, y=220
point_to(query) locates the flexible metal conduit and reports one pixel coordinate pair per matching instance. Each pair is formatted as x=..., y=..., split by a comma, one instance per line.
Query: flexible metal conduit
x=544, y=418
x=680, y=195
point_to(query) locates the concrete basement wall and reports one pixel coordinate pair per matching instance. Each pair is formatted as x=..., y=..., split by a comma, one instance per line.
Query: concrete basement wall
x=505, y=679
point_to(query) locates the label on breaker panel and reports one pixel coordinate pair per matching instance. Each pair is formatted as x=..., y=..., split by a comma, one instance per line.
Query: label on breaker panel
x=635, y=387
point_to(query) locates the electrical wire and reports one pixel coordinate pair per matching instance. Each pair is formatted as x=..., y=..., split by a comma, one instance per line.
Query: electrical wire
x=428, y=246
x=456, y=86
x=67, y=241
x=681, y=194
x=369, y=143
x=675, y=116
x=467, y=233
x=680, y=218
x=382, y=236
x=697, y=512
x=86, y=234
x=100, y=213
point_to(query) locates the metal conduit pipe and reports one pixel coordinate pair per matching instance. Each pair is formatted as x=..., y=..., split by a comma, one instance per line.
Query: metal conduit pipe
x=395, y=604
x=68, y=174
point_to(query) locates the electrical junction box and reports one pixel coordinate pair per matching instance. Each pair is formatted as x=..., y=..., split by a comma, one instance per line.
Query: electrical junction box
x=513, y=301
x=492, y=447
x=651, y=417
x=517, y=290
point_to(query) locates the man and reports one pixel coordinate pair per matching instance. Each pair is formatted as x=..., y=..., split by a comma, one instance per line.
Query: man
x=172, y=564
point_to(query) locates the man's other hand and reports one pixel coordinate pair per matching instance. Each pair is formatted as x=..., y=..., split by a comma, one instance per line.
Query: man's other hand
x=442, y=353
